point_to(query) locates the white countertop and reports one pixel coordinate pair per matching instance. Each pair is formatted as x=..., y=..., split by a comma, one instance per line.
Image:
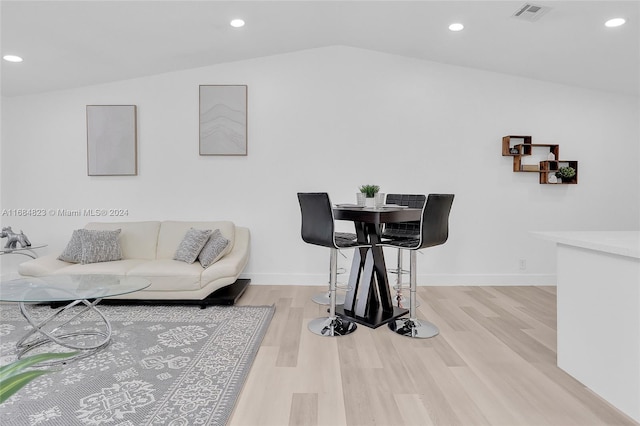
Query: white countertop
x=623, y=243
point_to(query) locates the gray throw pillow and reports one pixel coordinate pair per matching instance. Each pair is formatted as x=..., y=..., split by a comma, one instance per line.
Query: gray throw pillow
x=191, y=244
x=100, y=246
x=73, y=252
x=214, y=249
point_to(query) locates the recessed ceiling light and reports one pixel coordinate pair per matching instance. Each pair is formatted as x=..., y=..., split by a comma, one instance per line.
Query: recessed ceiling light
x=237, y=23
x=615, y=22
x=456, y=27
x=12, y=58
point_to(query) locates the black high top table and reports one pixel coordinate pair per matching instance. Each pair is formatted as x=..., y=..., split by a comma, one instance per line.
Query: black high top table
x=368, y=300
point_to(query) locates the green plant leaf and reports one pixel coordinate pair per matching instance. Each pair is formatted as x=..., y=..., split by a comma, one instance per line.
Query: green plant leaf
x=12, y=378
x=566, y=172
x=13, y=384
x=369, y=190
x=17, y=366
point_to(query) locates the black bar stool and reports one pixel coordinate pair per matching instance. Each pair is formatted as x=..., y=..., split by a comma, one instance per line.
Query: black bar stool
x=402, y=230
x=324, y=298
x=318, y=228
x=434, y=231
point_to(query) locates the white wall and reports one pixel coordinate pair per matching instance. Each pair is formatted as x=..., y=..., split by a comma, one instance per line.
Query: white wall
x=330, y=120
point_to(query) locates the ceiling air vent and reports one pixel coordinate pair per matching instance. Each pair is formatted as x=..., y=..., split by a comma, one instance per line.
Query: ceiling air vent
x=530, y=12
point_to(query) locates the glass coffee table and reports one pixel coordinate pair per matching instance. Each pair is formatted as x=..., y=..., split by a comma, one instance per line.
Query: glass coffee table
x=25, y=251
x=77, y=325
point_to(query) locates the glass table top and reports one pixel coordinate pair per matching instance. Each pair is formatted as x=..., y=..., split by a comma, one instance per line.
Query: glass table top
x=59, y=288
x=4, y=250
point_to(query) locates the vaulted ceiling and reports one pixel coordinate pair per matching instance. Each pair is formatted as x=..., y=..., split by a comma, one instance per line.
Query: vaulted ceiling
x=69, y=44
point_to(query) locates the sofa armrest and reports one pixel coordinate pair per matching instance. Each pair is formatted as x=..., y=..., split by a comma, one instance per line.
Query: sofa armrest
x=44, y=265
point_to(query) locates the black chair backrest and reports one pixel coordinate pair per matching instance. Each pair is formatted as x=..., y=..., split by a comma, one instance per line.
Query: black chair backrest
x=404, y=229
x=317, y=218
x=435, y=220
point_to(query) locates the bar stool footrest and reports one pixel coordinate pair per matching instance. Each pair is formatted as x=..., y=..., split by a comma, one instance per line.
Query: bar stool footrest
x=404, y=302
x=324, y=299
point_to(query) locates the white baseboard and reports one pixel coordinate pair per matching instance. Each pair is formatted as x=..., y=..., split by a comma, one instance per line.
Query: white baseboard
x=423, y=280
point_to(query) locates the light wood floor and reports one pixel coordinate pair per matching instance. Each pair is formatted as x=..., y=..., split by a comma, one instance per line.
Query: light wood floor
x=494, y=363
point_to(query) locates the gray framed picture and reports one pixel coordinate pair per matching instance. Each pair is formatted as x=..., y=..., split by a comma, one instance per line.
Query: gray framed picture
x=112, y=146
x=223, y=120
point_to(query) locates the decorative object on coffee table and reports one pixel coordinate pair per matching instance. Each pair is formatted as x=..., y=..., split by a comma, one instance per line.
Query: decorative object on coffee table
x=14, y=239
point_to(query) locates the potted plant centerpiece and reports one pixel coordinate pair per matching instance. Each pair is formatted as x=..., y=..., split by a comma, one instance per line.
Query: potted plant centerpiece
x=369, y=192
x=566, y=173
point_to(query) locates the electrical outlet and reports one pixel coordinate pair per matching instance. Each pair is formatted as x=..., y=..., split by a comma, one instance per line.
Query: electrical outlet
x=522, y=263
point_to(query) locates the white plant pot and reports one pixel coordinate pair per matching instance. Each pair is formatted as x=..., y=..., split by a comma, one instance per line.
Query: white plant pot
x=370, y=202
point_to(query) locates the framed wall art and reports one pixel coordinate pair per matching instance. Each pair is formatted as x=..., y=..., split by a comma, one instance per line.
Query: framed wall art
x=223, y=120
x=112, y=146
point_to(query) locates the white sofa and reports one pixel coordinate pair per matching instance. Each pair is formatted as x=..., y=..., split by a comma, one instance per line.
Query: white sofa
x=148, y=249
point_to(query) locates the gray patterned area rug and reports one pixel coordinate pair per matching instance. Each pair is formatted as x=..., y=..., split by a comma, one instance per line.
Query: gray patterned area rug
x=165, y=365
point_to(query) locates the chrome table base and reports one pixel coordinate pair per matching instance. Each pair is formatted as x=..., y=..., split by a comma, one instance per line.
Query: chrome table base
x=85, y=342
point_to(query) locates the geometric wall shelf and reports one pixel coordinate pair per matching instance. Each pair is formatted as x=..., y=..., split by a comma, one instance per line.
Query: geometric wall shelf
x=537, y=158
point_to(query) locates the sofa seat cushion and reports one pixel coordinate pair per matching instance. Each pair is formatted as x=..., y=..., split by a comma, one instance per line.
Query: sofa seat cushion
x=169, y=275
x=115, y=267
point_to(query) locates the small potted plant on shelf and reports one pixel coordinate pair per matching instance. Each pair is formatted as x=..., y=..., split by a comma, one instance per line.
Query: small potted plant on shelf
x=566, y=173
x=369, y=192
